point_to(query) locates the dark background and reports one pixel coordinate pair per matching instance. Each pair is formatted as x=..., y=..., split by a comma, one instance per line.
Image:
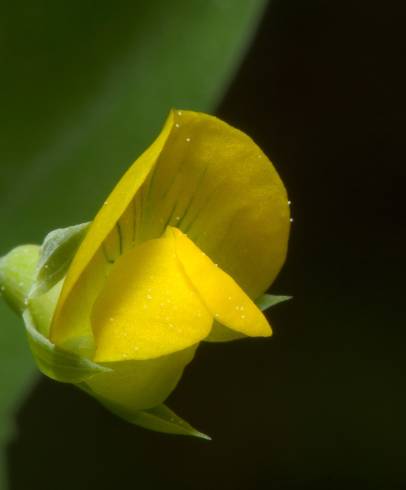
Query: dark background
x=322, y=404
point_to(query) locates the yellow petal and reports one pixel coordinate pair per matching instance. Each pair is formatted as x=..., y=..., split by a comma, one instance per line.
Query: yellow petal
x=220, y=333
x=72, y=312
x=223, y=297
x=137, y=385
x=215, y=184
x=208, y=179
x=147, y=308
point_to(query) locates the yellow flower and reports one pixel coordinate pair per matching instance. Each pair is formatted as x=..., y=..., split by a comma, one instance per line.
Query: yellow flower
x=193, y=233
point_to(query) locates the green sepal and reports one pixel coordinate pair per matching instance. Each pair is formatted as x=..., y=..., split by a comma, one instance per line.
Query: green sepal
x=268, y=300
x=159, y=418
x=17, y=272
x=57, y=363
x=57, y=252
x=163, y=419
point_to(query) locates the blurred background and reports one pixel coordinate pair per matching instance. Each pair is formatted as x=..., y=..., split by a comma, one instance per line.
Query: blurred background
x=320, y=88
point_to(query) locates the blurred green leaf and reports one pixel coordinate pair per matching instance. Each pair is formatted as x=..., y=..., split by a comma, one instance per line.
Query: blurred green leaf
x=86, y=87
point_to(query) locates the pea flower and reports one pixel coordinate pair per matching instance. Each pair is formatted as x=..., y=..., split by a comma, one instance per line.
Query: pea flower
x=181, y=252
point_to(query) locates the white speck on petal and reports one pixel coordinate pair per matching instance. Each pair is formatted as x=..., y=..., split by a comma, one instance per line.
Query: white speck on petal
x=179, y=113
x=291, y=220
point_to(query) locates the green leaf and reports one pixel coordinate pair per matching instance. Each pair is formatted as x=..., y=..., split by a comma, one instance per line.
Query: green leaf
x=57, y=252
x=268, y=300
x=56, y=363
